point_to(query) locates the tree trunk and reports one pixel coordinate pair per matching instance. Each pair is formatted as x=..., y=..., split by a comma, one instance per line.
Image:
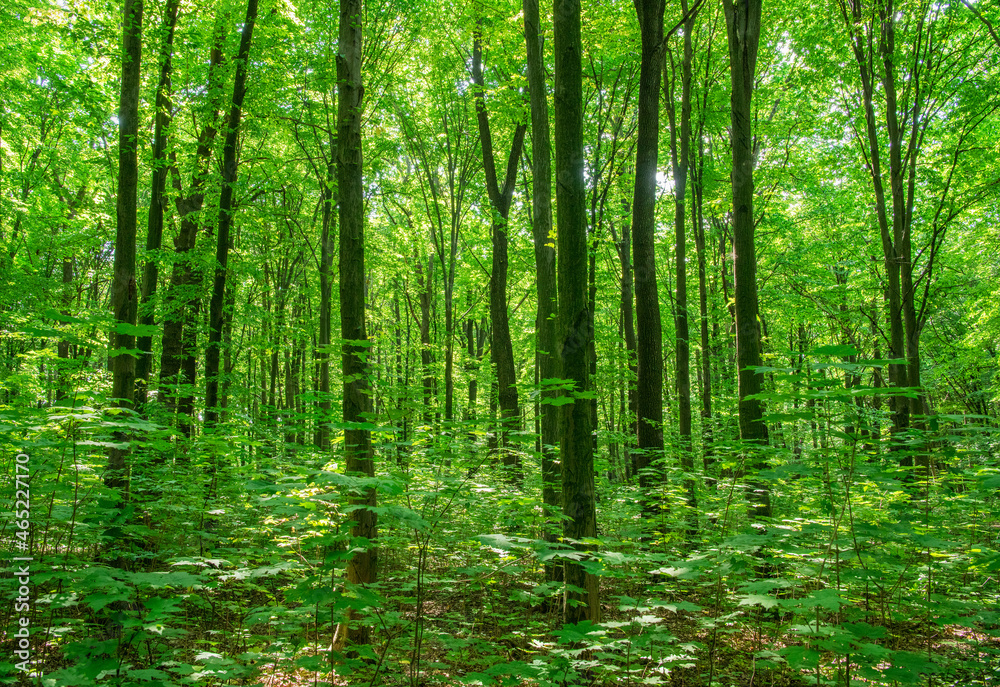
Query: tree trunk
x=680, y=138
x=890, y=233
x=154, y=235
x=362, y=566
x=124, y=298
x=425, y=286
x=63, y=347
x=743, y=26
x=546, y=330
x=216, y=312
x=698, y=219
x=500, y=199
x=624, y=247
x=325, y=300
x=181, y=311
x=649, y=342
x=582, y=601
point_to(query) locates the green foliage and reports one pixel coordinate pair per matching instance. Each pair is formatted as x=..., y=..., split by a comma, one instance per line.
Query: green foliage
x=225, y=561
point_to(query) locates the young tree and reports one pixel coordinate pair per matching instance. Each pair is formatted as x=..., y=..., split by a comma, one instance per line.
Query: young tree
x=500, y=200
x=216, y=312
x=446, y=164
x=181, y=308
x=576, y=445
x=907, y=86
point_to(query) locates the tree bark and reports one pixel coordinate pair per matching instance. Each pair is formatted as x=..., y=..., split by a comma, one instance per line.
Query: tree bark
x=181, y=308
x=624, y=247
x=363, y=564
x=154, y=231
x=698, y=219
x=216, y=312
x=582, y=601
x=325, y=298
x=500, y=197
x=124, y=298
x=680, y=140
x=649, y=337
x=743, y=25
x=546, y=329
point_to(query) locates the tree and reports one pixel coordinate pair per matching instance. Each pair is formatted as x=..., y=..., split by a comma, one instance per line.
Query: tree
x=546, y=285
x=649, y=337
x=680, y=155
x=500, y=198
x=904, y=89
x=446, y=166
x=124, y=293
x=157, y=201
x=181, y=307
x=362, y=567
x=576, y=445
x=216, y=314
x=743, y=27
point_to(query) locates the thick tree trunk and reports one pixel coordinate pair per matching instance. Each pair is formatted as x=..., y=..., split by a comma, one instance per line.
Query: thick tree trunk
x=500, y=197
x=363, y=564
x=582, y=601
x=546, y=329
x=154, y=232
x=216, y=312
x=124, y=296
x=743, y=25
x=649, y=342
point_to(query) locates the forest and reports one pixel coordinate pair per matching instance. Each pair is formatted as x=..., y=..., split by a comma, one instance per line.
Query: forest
x=391, y=342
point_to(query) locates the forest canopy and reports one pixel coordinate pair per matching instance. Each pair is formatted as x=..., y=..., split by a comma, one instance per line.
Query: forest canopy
x=580, y=343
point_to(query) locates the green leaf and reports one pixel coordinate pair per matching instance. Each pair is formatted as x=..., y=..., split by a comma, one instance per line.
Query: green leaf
x=758, y=600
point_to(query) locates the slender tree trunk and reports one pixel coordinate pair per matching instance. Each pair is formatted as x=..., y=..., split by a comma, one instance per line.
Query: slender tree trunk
x=449, y=360
x=217, y=312
x=680, y=138
x=697, y=173
x=181, y=311
x=154, y=235
x=362, y=567
x=624, y=248
x=743, y=24
x=649, y=341
x=63, y=347
x=706, y=341
x=472, y=369
x=500, y=197
x=546, y=336
x=582, y=601
x=425, y=284
x=124, y=298
x=325, y=299
x=890, y=230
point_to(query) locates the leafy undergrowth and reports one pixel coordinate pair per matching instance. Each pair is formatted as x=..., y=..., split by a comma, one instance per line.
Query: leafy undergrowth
x=872, y=575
